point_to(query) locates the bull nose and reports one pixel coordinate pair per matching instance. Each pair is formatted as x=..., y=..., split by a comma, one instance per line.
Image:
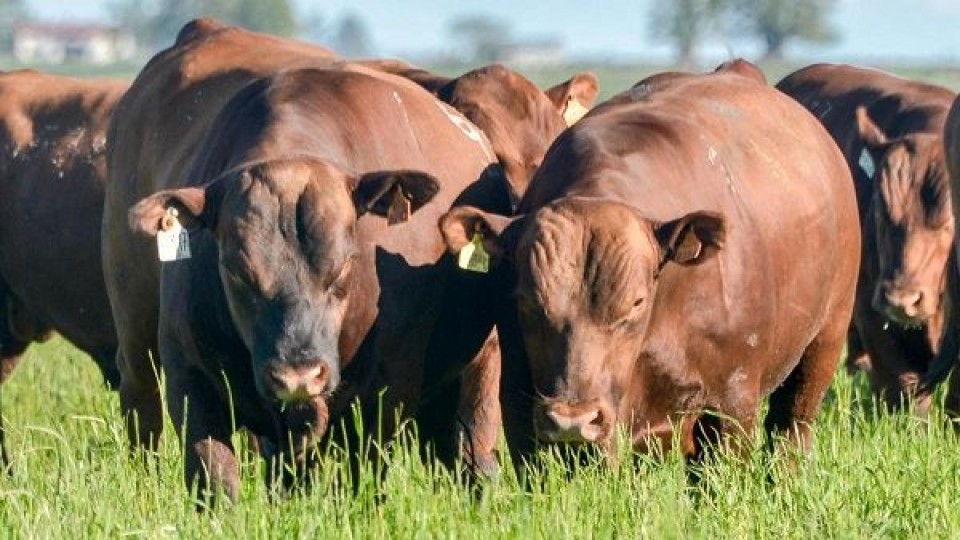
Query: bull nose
x=905, y=303
x=905, y=299
x=298, y=383
x=565, y=423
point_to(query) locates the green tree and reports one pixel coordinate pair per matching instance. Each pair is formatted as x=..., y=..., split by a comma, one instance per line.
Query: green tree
x=685, y=23
x=777, y=22
x=485, y=38
x=353, y=38
x=11, y=12
x=271, y=16
x=155, y=23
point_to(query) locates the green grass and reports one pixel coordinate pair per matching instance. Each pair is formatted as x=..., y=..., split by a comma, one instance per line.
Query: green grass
x=614, y=78
x=870, y=475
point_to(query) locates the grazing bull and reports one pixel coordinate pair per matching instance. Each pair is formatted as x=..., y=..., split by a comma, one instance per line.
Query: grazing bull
x=519, y=119
x=684, y=251
x=890, y=131
x=947, y=357
x=316, y=276
x=521, y=122
x=52, y=176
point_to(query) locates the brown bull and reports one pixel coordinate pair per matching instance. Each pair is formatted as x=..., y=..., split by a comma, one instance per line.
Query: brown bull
x=890, y=132
x=310, y=197
x=684, y=252
x=519, y=119
x=52, y=176
x=947, y=357
x=521, y=122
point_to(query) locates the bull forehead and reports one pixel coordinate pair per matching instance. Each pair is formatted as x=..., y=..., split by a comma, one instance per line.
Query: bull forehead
x=280, y=214
x=913, y=183
x=588, y=259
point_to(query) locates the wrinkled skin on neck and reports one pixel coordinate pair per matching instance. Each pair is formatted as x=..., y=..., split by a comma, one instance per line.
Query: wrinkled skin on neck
x=913, y=228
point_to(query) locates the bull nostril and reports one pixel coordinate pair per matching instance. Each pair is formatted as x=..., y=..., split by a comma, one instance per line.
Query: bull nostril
x=567, y=423
x=564, y=423
x=904, y=299
x=299, y=383
x=599, y=420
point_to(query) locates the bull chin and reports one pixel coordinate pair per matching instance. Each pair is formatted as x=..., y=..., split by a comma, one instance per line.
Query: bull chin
x=303, y=422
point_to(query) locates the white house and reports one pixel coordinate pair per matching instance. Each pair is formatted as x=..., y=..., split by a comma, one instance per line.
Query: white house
x=56, y=43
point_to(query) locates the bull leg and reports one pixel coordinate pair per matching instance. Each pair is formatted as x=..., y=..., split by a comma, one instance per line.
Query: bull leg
x=479, y=410
x=4, y=456
x=516, y=393
x=857, y=357
x=205, y=429
x=140, y=402
x=106, y=360
x=12, y=347
x=795, y=404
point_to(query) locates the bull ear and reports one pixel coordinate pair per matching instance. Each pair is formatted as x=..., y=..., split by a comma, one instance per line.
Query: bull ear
x=460, y=224
x=393, y=194
x=150, y=214
x=691, y=239
x=872, y=135
x=574, y=97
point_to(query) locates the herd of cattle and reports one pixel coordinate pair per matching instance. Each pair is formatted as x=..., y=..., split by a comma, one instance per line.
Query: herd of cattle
x=475, y=253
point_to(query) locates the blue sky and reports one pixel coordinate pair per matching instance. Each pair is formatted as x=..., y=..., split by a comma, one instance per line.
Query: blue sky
x=915, y=30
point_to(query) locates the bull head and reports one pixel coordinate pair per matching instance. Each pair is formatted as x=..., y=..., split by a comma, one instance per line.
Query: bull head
x=587, y=273
x=912, y=220
x=285, y=235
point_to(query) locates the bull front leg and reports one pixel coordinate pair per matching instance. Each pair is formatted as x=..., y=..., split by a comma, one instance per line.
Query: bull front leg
x=204, y=427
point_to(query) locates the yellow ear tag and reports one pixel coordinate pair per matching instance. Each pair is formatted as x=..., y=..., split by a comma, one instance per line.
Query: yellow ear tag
x=173, y=241
x=574, y=111
x=473, y=256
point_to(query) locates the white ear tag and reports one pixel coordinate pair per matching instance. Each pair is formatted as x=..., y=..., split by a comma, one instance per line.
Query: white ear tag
x=173, y=241
x=574, y=111
x=866, y=163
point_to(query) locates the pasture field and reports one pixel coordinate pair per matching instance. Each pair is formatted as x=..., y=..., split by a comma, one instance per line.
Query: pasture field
x=870, y=475
x=613, y=77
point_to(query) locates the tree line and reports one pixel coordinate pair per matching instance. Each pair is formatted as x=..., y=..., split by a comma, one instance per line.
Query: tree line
x=687, y=23
x=684, y=24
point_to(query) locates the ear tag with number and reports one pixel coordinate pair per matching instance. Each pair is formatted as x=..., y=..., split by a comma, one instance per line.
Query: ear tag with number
x=866, y=163
x=173, y=241
x=473, y=256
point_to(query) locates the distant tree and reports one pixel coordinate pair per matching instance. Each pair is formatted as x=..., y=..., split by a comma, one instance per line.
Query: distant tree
x=11, y=11
x=313, y=25
x=485, y=38
x=353, y=38
x=156, y=22
x=777, y=22
x=271, y=16
x=685, y=23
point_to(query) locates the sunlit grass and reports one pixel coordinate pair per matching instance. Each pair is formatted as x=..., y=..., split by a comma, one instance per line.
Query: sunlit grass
x=870, y=475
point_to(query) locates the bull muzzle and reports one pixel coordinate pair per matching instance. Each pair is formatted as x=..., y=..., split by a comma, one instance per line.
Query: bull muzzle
x=293, y=384
x=299, y=392
x=574, y=423
x=907, y=306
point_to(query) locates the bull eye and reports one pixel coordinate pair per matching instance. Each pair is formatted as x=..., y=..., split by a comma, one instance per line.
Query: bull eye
x=338, y=286
x=630, y=318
